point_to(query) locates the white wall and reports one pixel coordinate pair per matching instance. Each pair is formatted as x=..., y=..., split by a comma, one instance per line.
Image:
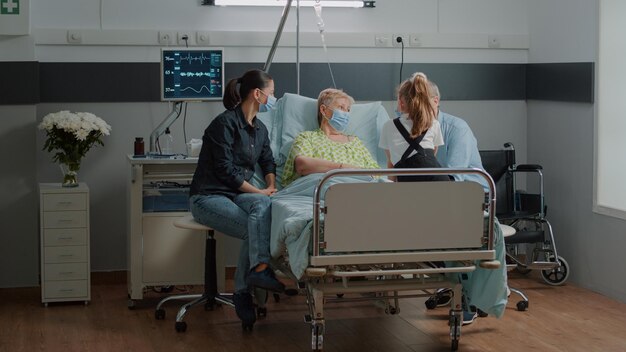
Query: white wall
x=454, y=31
x=561, y=138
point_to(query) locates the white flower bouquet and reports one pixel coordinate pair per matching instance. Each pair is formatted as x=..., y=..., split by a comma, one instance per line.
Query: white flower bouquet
x=71, y=135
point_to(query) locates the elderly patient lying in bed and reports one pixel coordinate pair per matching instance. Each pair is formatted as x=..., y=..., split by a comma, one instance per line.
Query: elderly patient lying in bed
x=328, y=147
x=312, y=154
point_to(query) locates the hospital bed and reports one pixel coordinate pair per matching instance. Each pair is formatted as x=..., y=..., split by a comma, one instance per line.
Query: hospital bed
x=347, y=232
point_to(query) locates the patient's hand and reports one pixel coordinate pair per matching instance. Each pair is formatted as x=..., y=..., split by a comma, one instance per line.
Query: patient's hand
x=268, y=191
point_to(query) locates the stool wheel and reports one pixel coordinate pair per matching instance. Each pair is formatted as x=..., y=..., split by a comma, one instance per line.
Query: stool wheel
x=289, y=292
x=522, y=305
x=159, y=314
x=247, y=326
x=261, y=312
x=180, y=326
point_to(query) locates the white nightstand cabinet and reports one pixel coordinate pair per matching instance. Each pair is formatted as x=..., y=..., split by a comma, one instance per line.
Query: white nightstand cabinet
x=64, y=243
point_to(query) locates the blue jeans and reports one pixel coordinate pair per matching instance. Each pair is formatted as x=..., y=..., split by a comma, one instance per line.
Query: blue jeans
x=247, y=217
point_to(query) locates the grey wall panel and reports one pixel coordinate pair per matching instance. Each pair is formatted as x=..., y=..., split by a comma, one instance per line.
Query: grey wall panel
x=572, y=82
x=19, y=83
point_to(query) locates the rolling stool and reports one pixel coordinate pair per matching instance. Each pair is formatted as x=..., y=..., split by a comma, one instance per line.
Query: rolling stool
x=210, y=296
x=508, y=231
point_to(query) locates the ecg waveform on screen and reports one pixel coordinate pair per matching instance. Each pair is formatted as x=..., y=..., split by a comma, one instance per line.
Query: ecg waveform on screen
x=192, y=74
x=196, y=74
x=197, y=90
x=190, y=58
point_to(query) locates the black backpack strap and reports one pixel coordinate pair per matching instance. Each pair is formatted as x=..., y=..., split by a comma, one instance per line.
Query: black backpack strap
x=414, y=143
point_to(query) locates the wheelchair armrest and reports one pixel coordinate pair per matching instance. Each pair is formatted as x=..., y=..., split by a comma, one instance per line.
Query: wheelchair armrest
x=528, y=167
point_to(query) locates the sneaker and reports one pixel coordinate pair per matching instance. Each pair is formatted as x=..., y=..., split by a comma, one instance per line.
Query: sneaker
x=265, y=279
x=469, y=317
x=244, y=306
x=443, y=297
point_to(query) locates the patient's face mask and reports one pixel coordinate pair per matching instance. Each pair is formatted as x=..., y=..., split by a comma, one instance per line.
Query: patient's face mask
x=339, y=120
x=271, y=100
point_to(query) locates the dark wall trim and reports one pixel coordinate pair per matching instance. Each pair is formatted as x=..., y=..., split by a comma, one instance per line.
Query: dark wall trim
x=372, y=81
x=99, y=82
x=33, y=82
x=19, y=83
x=572, y=82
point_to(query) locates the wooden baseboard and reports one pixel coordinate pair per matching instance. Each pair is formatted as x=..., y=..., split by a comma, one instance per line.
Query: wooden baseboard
x=119, y=277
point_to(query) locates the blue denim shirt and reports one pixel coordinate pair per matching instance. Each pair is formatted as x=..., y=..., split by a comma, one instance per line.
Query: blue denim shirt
x=460, y=149
x=231, y=149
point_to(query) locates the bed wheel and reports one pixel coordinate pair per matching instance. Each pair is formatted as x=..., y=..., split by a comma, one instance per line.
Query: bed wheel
x=391, y=311
x=522, y=305
x=431, y=303
x=340, y=295
x=317, y=338
x=455, y=331
x=556, y=276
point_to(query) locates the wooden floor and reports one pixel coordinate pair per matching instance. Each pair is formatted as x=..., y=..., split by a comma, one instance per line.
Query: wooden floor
x=565, y=318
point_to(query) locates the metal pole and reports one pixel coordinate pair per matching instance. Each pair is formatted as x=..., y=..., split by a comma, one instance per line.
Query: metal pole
x=279, y=31
x=298, y=47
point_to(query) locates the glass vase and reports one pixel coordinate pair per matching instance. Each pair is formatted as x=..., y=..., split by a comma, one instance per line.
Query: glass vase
x=70, y=174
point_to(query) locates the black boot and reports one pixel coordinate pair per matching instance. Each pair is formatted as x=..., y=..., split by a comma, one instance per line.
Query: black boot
x=244, y=306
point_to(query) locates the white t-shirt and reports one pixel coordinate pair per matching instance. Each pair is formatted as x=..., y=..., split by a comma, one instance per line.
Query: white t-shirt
x=392, y=140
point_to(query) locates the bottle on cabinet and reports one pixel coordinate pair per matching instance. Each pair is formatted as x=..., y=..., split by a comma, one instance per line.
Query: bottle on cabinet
x=167, y=143
x=139, y=146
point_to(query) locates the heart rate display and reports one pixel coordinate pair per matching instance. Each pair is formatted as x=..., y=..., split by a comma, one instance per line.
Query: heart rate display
x=192, y=74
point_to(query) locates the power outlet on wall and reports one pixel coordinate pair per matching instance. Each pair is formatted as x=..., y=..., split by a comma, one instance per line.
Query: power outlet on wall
x=493, y=41
x=382, y=40
x=202, y=38
x=415, y=40
x=404, y=40
x=166, y=37
x=184, y=38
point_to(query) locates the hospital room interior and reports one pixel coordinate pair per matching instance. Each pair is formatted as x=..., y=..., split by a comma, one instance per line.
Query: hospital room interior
x=100, y=249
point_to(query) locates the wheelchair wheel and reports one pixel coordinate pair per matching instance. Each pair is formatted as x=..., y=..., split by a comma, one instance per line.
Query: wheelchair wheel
x=556, y=276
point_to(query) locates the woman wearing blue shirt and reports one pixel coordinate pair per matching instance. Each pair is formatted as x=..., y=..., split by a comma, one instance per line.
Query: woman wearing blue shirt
x=221, y=195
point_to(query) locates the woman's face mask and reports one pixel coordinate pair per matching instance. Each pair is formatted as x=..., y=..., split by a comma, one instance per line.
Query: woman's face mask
x=271, y=100
x=339, y=120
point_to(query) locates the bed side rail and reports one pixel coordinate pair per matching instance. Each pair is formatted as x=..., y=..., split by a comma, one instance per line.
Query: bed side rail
x=409, y=221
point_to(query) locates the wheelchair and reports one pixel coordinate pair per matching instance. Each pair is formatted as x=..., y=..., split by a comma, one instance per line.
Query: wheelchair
x=532, y=247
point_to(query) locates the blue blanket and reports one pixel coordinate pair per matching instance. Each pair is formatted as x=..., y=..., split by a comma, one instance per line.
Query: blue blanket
x=292, y=218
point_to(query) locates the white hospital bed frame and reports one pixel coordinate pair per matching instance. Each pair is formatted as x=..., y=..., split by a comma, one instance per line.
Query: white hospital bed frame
x=421, y=222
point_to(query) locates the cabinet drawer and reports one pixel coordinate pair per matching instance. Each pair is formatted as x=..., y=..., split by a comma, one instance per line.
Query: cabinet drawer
x=59, y=272
x=65, y=289
x=56, y=202
x=64, y=237
x=64, y=219
x=68, y=254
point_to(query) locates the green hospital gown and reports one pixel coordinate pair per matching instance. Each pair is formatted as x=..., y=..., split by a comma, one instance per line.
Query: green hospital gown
x=315, y=144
